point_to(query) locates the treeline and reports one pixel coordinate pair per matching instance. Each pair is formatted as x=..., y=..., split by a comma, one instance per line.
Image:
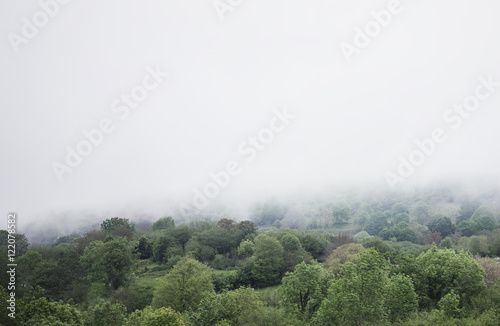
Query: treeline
x=376, y=263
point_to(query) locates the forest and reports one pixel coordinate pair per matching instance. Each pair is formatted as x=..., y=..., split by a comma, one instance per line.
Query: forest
x=429, y=256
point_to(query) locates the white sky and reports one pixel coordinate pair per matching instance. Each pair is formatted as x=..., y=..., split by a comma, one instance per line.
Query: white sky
x=352, y=121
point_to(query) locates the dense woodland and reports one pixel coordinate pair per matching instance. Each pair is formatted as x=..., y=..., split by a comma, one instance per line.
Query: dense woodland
x=420, y=258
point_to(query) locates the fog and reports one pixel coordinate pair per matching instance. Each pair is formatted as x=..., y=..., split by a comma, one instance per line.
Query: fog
x=134, y=108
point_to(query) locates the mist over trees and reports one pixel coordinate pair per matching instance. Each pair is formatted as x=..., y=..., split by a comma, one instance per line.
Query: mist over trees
x=427, y=256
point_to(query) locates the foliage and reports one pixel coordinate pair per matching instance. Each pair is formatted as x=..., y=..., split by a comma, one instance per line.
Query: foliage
x=144, y=248
x=110, y=261
x=401, y=232
x=238, y=307
x=111, y=224
x=303, y=290
x=358, y=296
x=163, y=223
x=443, y=270
x=267, y=261
x=184, y=286
x=42, y=310
x=105, y=313
x=342, y=255
x=442, y=225
x=246, y=248
x=268, y=213
x=341, y=212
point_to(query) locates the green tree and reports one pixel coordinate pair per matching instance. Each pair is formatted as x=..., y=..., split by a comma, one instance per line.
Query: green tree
x=446, y=243
x=293, y=251
x=112, y=223
x=246, y=248
x=468, y=227
x=239, y=307
x=163, y=223
x=376, y=223
x=421, y=213
x=303, y=290
x=267, y=261
x=104, y=312
x=449, y=305
x=110, y=261
x=359, y=295
x=341, y=212
x=484, y=218
x=341, y=255
x=400, y=300
x=442, y=225
x=184, y=286
x=41, y=311
x=467, y=208
x=401, y=232
x=144, y=248
x=159, y=317
x=363, y=214
x=443, y=270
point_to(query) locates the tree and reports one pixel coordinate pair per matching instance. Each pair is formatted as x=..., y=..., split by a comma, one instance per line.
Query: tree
x=163, y=223
x=267, y=261
x=442, y=225
x=88, y=238
x=341, y=212
x=484, y=218
x=421, y=212
x=41, y=311
x=144, y=248
x=239, y=307
x=246, y=230
x=159, y=317
x=105, y=313
x=443, y=270
x=246, y=248
x=341, y=255
x=184, y=286
x=376, y=223
x=268, y=213
x=303, y=290
x=226, y=223
x=363, y=214
x=314, y=243
x=359, y=295
x=293, y=251
x=467, y=208
x=110, y=261
x=468, y=227
x=401, y=299
x=110, y=224
x=401, y=232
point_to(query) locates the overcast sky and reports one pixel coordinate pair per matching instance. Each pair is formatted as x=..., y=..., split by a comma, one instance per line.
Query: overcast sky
x=338, y=91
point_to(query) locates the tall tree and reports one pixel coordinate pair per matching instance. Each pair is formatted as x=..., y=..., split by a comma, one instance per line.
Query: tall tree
x=267, y=260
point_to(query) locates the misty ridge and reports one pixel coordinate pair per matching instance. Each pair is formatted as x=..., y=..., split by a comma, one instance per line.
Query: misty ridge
x=311, y=210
